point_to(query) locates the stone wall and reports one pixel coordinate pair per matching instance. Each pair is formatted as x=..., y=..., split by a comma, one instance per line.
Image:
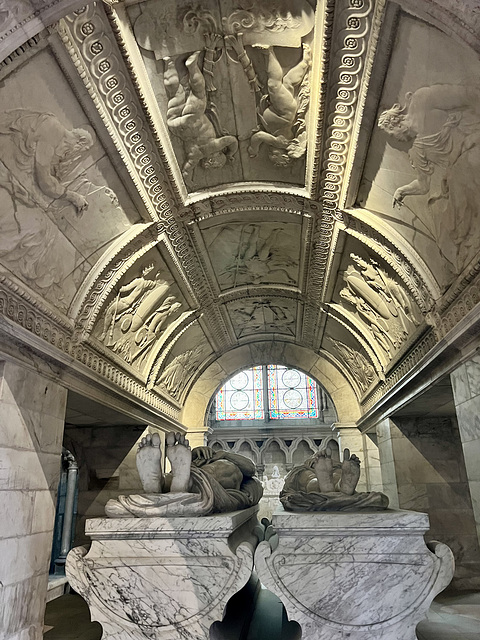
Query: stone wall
x=107, y=467
x=423, y=470
x=32, y=410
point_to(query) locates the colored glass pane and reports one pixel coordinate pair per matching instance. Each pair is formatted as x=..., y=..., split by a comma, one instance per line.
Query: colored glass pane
x=241, y=397
x=291, y=394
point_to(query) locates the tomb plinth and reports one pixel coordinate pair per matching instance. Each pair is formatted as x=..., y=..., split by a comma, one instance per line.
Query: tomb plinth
x=167, y=578
x=361, y=576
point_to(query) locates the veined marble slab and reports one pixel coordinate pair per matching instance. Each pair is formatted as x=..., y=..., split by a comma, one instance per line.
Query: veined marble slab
x=163, y=578
x=362, y=576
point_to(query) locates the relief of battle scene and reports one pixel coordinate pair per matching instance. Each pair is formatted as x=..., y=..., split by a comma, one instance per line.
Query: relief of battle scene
x=254, y=252
x=372, y=296
x=61, y=201
x=232, y=82
x=139, y=311
x=182, y=362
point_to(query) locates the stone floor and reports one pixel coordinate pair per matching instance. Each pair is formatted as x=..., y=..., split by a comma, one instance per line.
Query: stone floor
x=453, y=616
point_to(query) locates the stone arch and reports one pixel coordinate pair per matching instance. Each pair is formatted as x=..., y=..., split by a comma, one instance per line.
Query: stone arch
x=201, y=393
x=301, y=449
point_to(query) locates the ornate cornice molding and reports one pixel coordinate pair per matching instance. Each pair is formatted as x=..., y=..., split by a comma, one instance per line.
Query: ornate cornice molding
x=356, y=31
x=418, y=351
x=16, y=306
x=90, y=42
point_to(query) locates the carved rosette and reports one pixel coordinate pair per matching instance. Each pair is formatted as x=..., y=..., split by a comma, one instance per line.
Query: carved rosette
x=356, y=575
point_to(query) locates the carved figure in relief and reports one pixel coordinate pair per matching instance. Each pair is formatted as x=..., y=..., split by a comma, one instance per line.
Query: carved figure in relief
x=380, y=302
x=282, y=110
x=258, y=259
x=446, y=159
x=393, y=294
x=37, y=154
x=362, y=370
x=378, y=325
x=175, y=375
x=264, y=316
x=187, y=118
x=134, y=346
x=127, y=298
x=322, y=484
x=201, y=481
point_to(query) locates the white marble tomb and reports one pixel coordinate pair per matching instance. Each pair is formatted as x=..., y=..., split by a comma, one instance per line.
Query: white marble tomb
x=362, y=576
x=163, y=578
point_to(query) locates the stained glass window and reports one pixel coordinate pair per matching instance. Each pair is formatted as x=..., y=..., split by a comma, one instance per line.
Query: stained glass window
x=291, y=394
x=241, y=398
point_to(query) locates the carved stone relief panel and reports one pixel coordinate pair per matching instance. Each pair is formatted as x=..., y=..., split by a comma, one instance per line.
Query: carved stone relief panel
x=254, y=252
x=423, y=166
x=139, y=311
x=182, y=363
x=382, y=307
x=231, y=81
x=61, y=201
x=354, y=354
x=264, y=315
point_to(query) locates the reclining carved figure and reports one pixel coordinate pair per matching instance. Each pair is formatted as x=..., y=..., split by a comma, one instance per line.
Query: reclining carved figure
x=322, y=484
x=201, y=482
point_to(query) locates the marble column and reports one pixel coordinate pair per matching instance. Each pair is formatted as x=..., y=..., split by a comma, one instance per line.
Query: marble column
x=466, y=393
x=371, y=455
x=423, y=470
x=32, y=411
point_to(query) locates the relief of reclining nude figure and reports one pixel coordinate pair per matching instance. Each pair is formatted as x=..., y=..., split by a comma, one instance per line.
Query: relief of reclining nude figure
x=201, y=482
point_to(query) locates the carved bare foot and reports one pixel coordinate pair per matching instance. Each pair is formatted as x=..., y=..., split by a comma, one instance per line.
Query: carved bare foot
x=323, y=468
x=192, y=60
x=180, y=456
x=350, y=473
x=149, y=463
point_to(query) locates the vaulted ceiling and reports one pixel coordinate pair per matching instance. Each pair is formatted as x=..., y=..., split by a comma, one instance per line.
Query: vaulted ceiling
x=180, y=181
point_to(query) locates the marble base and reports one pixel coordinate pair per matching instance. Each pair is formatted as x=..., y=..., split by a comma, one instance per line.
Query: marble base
x=163, y=578
x=361, y=576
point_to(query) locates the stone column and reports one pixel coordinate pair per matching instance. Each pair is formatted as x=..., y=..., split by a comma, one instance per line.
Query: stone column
x=466, y=393
x=72, y=475
x=371, y=461
x=198, y=437
x=32, y=412
x=423, y=470
x=387, y=465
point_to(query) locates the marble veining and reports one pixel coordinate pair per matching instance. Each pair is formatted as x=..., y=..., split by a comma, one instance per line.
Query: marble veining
x=356, y=575
x=163, y=578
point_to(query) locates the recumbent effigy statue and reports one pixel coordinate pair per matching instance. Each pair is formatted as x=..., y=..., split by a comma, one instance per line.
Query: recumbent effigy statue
x=201, y=482
x=323, y=484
